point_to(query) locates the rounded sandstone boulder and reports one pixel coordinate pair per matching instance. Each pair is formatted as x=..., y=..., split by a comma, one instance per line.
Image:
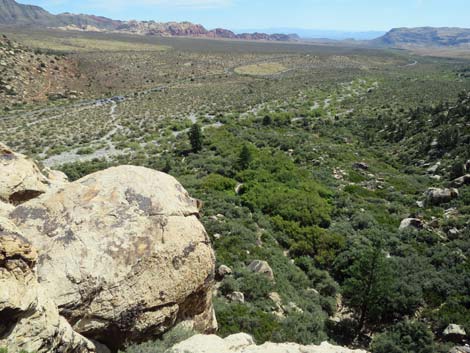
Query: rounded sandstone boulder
x=122, y=253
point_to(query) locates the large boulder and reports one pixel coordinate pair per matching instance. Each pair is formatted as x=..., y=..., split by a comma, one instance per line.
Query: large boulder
x=20, y=178
x=454, y=331
x=437, y=196
x=29, y=320
x=243, y=343
x=122, y=253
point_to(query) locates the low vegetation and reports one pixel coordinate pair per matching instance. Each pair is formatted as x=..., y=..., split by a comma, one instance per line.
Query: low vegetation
x=262, y=69
x=312, y=171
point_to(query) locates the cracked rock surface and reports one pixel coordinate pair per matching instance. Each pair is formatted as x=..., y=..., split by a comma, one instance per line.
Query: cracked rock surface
x=121, y=253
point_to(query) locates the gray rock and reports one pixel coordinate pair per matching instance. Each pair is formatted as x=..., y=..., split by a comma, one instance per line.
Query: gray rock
x=261, y=267
x=463, y=180
x=437, y=196
x=454, y=330
x=236, y=297
x=411, y=223
x=434, y=168
x=224, y=271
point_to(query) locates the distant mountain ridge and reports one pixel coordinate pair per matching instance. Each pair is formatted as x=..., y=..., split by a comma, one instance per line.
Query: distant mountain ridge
x=305, y=33
x=13, y=13
x=426, y=36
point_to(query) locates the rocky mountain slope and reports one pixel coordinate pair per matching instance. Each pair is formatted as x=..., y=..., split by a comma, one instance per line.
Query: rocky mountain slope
x=26, y=75
x=13, y=13
x=426, y=36
x=117, y=257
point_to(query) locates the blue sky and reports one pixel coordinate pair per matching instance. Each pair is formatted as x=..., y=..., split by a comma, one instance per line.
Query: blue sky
x=350, y=15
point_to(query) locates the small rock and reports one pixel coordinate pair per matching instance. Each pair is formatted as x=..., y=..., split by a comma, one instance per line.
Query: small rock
x=434, y=168
x=453, y=233
x=238, y=188
x=313, y=290
x=411, y=223
x=224, y=271
x=463, y=180
x=262, y=267
x=361, y=165
x=236, y=297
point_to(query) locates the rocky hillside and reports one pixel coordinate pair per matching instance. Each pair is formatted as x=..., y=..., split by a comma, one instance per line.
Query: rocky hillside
x=117, y=257
x=26, y=75
x=13, y=13
x=426, y=36
x=189, y=29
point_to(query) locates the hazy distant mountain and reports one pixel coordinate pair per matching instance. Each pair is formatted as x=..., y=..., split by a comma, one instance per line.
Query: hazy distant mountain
x=13, y=13
x=321, y=34
x=426, y=37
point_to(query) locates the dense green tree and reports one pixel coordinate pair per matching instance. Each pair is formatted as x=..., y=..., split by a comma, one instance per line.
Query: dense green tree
x=196, y=138
x=245, y=157
x=370, y=280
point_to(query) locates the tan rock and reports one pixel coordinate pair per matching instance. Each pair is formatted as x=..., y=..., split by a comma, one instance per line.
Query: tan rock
x=122, y=253
x=437, y=196
x=30, y=318
x=261, y=267
x=20, y=178
x=243, y=343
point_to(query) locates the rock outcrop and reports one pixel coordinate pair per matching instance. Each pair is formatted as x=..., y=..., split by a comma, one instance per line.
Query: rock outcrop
x=122, y=255
x=29, y=319
x=243, y=343
x=20, y=179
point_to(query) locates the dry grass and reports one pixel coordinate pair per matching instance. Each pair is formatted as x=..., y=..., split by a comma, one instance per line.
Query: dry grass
x=261, y=69
x=89, y=45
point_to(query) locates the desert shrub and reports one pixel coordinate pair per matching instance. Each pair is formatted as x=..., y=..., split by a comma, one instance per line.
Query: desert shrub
x=216, y=182
x=304, y=328
x=234, y=318
x=405, y=337
x=78, y=170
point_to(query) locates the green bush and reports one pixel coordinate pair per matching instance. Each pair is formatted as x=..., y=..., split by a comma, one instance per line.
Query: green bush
x=405, y=337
